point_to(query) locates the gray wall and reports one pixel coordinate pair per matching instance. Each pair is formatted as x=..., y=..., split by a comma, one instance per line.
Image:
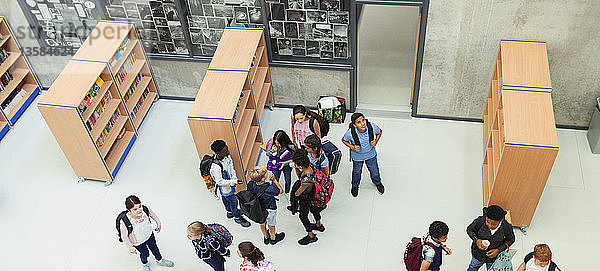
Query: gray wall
x=462, y=42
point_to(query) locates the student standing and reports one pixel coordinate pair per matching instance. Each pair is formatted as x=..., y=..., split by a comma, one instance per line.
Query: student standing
x=433, y=246
x=301, y=122
x=491, y=234
x=367, y=134
x=280, y=153
x=259, y=177
x=207, y=246
x=254, y=259
x=136, y=231
x=303, y=194
x=539, y=260
x=223, y=172
x=317, y=157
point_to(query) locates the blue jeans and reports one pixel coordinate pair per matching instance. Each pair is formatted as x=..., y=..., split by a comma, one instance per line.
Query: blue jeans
x=143, y=249
x=231, y=205
x=287, y=174
x=217, y=262
x=373, y=171
x=476, y=264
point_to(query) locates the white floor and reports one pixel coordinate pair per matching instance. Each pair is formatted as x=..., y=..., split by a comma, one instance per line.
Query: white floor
x=431, y=170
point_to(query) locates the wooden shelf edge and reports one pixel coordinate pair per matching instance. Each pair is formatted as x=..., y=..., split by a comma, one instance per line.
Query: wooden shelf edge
x=18, y=76
x=105, y=117
x=259, y=52
x=137, y=93
x=5, y=40
x=103, y=89
x=128, y=50
x=263, y=96
x=246, y=149
x=259, y=78
x=112, y=135
x=246, y=117
x=135, y=70
x=253, y=156
x=118, y=149
x=9, y=62
x=144, y=109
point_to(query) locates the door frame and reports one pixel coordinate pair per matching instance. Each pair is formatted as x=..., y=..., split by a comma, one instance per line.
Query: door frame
x=355, y=9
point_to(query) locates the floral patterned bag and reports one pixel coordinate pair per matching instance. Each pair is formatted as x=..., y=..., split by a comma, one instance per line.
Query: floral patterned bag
x=504, y=261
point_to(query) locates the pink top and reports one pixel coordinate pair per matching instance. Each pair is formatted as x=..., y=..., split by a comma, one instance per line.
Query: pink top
x=302, y=131
x=263, y=265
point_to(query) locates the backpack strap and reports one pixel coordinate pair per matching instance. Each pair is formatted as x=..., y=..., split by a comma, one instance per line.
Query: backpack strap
x=528, y=257
x=370, y=131
x=354, y=136
x=311, y=123
x=123, y=217
x=432, y=246
x=146, y=210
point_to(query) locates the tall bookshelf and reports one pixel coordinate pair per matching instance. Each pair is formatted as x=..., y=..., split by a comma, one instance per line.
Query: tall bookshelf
x=233, y=94
x=520, y=140
x=95, y=107
x=18, y=83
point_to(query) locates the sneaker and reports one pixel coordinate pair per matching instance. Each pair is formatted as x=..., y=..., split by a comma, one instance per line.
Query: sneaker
x=380, y=188
x=354, y=191
x=165, y=262
x=307, y=240
x=145, y=267
x=278, y=237
x=242, y=221
x=229, y=215
x=267, y=240
x=321, y=229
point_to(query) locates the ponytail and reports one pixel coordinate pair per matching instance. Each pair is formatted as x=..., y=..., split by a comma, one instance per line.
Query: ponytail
x=250, y=252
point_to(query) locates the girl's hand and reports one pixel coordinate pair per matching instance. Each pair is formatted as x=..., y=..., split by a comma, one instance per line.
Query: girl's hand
x=356, y=148
x=157, y=229
x=373, y=143
x=133, y=250
x=448, y=250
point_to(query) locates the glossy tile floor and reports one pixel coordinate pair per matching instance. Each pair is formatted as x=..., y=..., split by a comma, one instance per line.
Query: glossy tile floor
x=431, y=170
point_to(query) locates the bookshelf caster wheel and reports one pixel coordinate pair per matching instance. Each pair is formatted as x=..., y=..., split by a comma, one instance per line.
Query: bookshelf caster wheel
x=523, y=229
x=108, y=182
x=80, y=179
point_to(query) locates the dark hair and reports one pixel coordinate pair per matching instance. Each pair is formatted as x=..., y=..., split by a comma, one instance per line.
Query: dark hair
x=438, y=229
x=284, y=140
x=495, y=212
x=300, y=158
x=305, y=111
x=218, y=145
x=131, y=201
x=354, y=117
x=251, y=252
x=314, y=142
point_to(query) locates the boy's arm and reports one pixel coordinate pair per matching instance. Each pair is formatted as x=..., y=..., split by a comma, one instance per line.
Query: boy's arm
x=293, y=134
x=349, y=145
x=276, y=183
x=472, y=229
x=509, y=238
x=377, y=137
x=424, y=265
x=215, y=172
x=521, y=267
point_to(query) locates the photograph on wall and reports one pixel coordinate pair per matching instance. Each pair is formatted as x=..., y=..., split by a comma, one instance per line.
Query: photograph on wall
x=284, y=46
x=276, y=29
x=291, y=30
x=295, y=4
x=323, y=32
x=311, y=4
x=316, y=16
x=340, y=50
x=277, y=12
x=299, y=44
x=340, y=32
x=312, y=49
x=241, y=15
x=305, y=31
x=255, y=15
x=339, y=17
x=330, y=5
x=296, y=15
x=299, y=52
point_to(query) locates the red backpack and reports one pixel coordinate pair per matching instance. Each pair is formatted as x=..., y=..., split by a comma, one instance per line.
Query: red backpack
x=412, y=254
x=322, y=191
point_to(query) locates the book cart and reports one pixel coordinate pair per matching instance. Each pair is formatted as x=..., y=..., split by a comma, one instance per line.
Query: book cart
x=18, y=83
x=95, y=107
x=233, y=94
x=520, y=140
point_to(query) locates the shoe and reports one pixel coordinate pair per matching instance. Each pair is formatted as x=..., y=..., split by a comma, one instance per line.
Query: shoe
x=145, y=267
x=229, y=215
x=267, y=240
x=354, y=191
x=242, y=221
x=307, y=240
x=380, y=188
x=321, y=229
x=165, y=262
x=278, y=237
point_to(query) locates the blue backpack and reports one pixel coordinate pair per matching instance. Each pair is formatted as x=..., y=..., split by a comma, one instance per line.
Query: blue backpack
x=333, y=154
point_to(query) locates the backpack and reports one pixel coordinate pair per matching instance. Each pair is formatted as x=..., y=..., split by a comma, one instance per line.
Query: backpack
x=250, y=203
x=552, y=266
x=123, y=216
x=221, y=234
x=205, y=165
x=355, y=135
x=322, y=190
x=333, y=154
x=412, y=253
x=323, y=125
x=332, y=109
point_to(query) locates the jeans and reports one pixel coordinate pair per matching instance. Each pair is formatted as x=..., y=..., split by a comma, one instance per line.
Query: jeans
x=231, y=205
x=217, y=263
x=143, y=249
x=373, y=171
x=476, y=264
x=305, y=208
x=287, y=174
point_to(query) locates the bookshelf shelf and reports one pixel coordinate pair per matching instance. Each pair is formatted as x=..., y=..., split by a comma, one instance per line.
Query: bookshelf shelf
x=12, y=58
x=520, y=138
x=18, y=76
x=230, y=73
x=87, y=91
x=4, y=40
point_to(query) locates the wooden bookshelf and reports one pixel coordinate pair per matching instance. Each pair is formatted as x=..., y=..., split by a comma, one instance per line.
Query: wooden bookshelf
x=95, y=124
x=520, y=139
x=18, y=93
x=233, y=94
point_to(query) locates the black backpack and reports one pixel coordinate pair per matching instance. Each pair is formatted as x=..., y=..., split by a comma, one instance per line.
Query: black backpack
x=323, y=125
x=250, y=203
x=123, y=216
x=205, y=165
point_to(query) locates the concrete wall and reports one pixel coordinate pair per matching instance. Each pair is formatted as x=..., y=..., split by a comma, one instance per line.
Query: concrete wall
x=462, y=40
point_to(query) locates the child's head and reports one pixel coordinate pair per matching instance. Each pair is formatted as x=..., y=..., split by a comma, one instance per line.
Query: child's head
x=300, y=159
x=494, y=215
x=542, y=255
x=196, y=229
x=248, y=251
x=220, y=148
x=300, y=113
x=134, y=205
x=313, y=144
x=258, y=173
x=438, y=230
x=281, y=138
x=358, y=121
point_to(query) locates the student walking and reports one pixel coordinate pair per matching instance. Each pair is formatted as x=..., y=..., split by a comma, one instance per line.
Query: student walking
x=540, y=259
x=491, y=234
x=280, y=150
x=302, y=195
x=362, y=137
x=254, y=259
x=136, y=232
x=208, y=245
x=433, y=246
x=259, y=182
x=316, y=155
x=303, y=125
x=223, y=172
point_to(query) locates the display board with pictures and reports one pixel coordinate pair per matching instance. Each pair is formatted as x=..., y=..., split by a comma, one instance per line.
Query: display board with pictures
x=309, y=30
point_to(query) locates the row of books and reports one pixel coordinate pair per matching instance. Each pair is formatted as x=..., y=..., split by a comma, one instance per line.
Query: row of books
x=91, y=94
x=91, y=122
x=3, y=55
x=122, y=73
x=140, y=102
x=135, y=83
x=13, y=100
x=107, y=129
x=237, y=107
x=5, y=80
x=120, y=52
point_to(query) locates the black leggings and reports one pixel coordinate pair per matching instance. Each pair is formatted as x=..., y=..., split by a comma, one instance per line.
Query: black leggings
x=305, y=208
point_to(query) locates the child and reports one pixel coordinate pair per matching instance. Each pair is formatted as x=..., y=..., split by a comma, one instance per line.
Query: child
x=207, y=246
x=259, y=176
x=540, y=259
x=367, y=134
x=254, y=259
x=301, y=122
x=302, y=194
x=317, y=157
x=223, y=173
x=432, y=247
x=141, y=238
x=493, y=228
x=280, y=153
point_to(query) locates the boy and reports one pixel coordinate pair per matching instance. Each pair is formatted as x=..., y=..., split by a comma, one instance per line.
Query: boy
x=223, y=173
x=363, y=151
x=539, y=259
x=497, y=233
x=433, y=247
x=267, y=201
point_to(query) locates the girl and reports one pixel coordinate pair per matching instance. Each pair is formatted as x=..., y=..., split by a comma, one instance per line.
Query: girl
x=301, y=125
x=141, y=238
x=208, y=248
x=315, y=154
x=254, y=259
x=280, y=153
